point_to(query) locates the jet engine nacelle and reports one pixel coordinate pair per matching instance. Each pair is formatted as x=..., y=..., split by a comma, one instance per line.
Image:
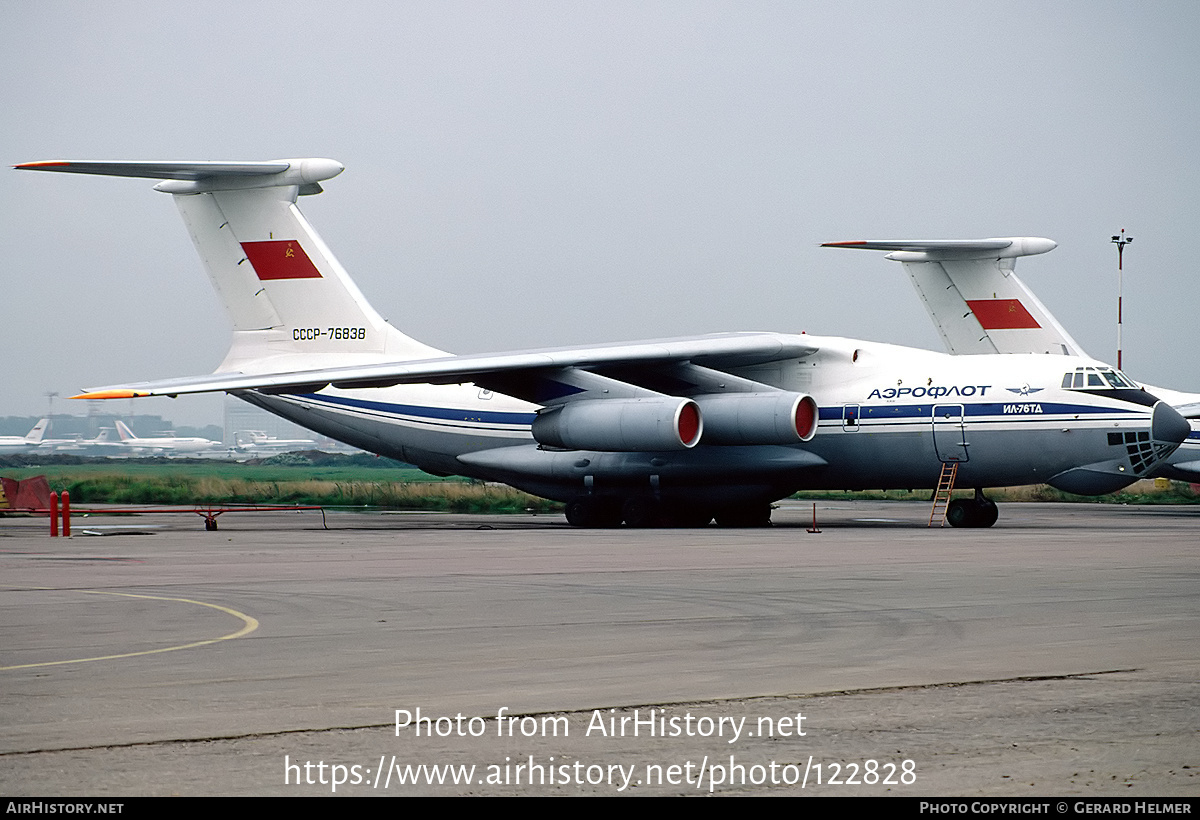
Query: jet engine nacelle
x=758, y=418
x=621, y=425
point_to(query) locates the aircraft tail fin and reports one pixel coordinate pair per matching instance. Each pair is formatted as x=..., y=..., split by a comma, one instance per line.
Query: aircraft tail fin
x=973, y=296
x=39, y=430
x=124, y=432
x=291, y=303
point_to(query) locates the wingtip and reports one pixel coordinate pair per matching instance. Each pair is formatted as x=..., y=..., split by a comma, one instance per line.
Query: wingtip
x=111, y=394
x=46, y=163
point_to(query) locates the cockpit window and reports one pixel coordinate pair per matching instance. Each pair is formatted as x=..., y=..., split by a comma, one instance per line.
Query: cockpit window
x=1102, y=377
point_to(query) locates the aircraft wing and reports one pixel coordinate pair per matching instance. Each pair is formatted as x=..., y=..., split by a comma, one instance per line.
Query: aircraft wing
x=1190, y=410
x=508, y=371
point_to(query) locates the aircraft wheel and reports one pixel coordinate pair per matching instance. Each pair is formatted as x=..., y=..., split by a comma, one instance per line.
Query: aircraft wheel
x=745, y=515
x=579, y=512
x=639, y=512
x=960, y=513
x=973, y=512
x=988, y=513
x=587, y=511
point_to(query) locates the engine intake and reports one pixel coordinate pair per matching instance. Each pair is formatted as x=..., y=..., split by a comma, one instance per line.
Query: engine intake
x=621, y=425
x=758, y=418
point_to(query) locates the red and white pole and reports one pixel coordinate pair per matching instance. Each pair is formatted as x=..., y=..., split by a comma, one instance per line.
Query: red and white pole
x=1121, y=240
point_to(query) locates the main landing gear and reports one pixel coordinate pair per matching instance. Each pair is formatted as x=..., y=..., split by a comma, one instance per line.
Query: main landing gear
x=972, y=512
x=643, y=511
x=591, y=512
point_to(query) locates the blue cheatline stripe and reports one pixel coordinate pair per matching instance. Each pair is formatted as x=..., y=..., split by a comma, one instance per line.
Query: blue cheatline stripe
x=441, y=413
x=866, y=412
x=925, y=411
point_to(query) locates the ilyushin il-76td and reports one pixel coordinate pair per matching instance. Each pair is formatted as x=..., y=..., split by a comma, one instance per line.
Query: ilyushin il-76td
x=668, y=431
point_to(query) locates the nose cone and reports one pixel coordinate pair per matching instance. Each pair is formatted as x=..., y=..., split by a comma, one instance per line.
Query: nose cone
x=1166, y=424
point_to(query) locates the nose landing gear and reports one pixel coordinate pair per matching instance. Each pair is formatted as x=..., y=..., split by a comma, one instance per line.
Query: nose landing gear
x=972, y=512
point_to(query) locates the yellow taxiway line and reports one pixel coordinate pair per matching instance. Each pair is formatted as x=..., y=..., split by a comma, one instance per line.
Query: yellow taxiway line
x=250, y=624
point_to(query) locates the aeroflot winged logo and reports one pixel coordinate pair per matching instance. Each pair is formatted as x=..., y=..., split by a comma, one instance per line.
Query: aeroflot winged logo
x=280, y=259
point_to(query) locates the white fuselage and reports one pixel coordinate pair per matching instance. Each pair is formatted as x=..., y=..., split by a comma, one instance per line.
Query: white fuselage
x=889, y=417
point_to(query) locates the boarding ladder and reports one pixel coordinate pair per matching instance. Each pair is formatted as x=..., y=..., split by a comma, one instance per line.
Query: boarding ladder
x=941, y=496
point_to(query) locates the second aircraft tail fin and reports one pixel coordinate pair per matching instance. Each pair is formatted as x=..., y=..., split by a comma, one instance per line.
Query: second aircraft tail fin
x=35, y=435
x=973, y=296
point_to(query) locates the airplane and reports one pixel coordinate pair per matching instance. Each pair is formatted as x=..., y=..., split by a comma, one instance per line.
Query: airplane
x=667, y=431
x=26, y=443
x=259, y=441
x=162, y=445
x=35, y=440
x=102, y=445
x=980, y=306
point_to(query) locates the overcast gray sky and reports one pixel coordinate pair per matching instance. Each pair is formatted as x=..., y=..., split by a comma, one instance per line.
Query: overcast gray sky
x=530, y=174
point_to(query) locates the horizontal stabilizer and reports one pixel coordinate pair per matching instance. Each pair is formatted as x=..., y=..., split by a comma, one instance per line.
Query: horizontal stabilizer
x=944, y=250
x=156, y=170
x=193, y=177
